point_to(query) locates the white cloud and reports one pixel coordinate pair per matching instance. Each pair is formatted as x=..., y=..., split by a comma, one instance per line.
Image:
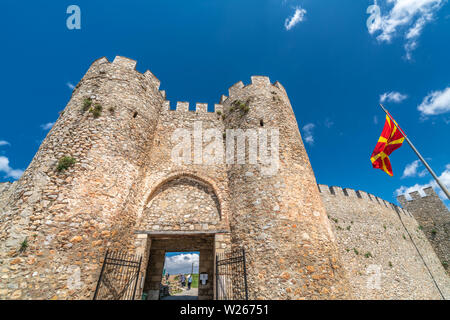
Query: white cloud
x=182, y=263
x=444, y=178
x=407, y=17
x=70, y=85
x=308, y=133
x=4, y=143
x=392, y=96
x=297, y=17
x=423, y=173
x=436, y=102
x=411, y=169
x=9, y=172
x=47, y=126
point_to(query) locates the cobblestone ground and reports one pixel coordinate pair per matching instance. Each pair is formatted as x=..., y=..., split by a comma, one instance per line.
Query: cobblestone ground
x=184, y=295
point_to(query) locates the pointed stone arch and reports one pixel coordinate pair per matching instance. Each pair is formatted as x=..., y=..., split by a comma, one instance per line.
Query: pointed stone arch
x=182, y=201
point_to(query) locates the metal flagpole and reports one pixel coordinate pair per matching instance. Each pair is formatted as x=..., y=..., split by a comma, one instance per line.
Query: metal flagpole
x=418, y=154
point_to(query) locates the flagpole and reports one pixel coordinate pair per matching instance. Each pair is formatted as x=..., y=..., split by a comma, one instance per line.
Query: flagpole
x=418, y=154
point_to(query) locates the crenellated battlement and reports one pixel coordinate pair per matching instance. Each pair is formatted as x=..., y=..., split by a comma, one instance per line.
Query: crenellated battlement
x=359, y=196
x=434, y=218
x=183, y=106
x=118, y=68
x=399, y=240
x=260, y=81
x=223, y=98
x=127, y=190
x=121, y=64
x=418, y=203
x=415, y=195
x=125, y=62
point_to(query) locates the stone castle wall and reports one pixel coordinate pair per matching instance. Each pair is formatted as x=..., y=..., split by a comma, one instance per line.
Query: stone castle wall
x=434, y=219
x=163, y=178
x=279, y=217
x=121, y=190
x=56, y=225
x=215, y=192
x=385, y=252
x=126, y=191
x=6, y=188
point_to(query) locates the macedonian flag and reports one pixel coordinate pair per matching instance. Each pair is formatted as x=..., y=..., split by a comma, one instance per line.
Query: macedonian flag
x=391, y=139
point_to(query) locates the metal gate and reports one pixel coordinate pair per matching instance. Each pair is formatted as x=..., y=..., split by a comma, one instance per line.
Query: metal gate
x=231, y=276
x=119, y=276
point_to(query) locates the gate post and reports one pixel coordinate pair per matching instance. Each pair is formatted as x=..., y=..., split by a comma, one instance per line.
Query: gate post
x=216, y=274
x=137, y=277
x=101, y=274
x=245, y=274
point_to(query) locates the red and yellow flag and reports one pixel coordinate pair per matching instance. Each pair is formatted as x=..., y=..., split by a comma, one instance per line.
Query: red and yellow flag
x=391, y=139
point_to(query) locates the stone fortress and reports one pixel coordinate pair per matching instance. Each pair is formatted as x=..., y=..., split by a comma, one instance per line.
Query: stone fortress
x=122, y=190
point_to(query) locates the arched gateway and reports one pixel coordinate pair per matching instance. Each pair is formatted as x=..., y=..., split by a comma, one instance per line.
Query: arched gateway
x=182, y=214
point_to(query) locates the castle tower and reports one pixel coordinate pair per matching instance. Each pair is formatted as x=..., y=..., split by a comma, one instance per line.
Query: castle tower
x=104, y=177
x=77, y=195
x=434, y=219
x=109, y=175
x=278, y=215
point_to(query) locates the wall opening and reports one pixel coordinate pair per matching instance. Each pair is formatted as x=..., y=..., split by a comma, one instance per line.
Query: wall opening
x=180, y=254
x=180, y=276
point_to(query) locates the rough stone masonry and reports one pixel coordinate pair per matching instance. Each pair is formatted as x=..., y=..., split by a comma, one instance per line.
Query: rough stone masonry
x=119, y=188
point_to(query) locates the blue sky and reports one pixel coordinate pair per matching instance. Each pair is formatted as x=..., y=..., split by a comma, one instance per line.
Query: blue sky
x=181, y=262
x=332, y=65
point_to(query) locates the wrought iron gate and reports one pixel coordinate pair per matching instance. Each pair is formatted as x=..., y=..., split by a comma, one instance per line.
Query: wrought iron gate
x=119, y=276
x=231, y=276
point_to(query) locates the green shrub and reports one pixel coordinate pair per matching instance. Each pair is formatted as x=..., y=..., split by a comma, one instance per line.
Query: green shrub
x=96, y=110
x=86, y=104
x=64, y=163
x=355, y=251
x=24, y=245
x=368, y=255
x=111, y=110
x=238, y=104
x=390, y=264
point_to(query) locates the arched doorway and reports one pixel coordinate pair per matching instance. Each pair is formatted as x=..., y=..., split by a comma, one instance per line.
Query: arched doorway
x=182, y=214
